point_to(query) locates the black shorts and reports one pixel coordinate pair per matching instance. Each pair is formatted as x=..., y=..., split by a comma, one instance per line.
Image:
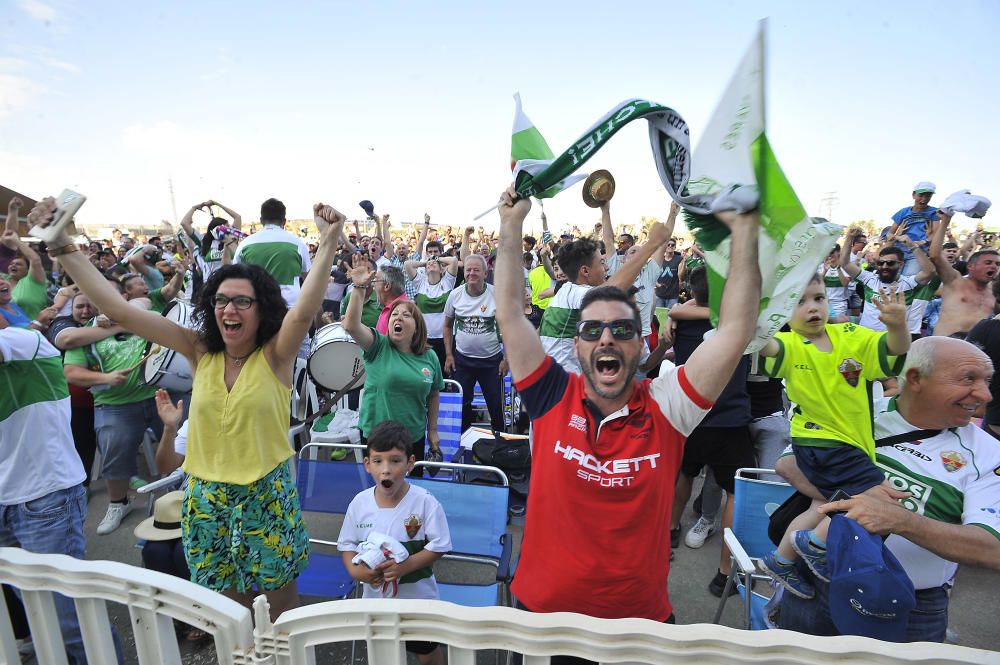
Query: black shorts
x=722, y=449
x=844, y=467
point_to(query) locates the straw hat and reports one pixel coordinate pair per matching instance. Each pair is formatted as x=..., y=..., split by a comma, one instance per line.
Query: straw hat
x=598, y=188
x=165, y=524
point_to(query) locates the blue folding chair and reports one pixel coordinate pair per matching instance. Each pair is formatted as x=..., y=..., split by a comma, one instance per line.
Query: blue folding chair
x=477, y=521
x=755, y=499
x=450, y=419
x=327, y=486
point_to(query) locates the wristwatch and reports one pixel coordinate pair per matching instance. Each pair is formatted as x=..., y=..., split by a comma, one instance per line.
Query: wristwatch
x=65, y=249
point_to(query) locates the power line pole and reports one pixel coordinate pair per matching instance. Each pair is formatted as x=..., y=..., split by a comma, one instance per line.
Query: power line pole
x=173, y=202
x=830, y=201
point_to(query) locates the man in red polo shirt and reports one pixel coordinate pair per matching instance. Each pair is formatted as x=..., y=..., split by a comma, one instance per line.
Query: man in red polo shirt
x=606, y=448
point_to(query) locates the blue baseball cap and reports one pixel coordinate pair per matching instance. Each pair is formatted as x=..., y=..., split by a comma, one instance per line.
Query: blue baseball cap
x=368, y=207
x=870, y=593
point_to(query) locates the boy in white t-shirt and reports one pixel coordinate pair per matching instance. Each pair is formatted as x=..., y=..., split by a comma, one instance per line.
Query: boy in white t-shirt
x=403, y=512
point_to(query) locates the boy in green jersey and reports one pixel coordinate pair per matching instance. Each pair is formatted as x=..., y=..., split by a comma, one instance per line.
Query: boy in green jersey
x=828, y=370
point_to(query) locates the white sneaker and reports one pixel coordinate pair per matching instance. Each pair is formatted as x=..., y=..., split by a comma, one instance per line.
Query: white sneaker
x=697, y=534
x=113, y=518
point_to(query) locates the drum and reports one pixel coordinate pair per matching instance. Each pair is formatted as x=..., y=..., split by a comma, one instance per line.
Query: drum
x=168, y=369
x=335, y=359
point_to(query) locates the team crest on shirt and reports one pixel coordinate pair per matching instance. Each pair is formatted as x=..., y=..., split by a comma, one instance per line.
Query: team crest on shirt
x=482, y=308
x=412, y=525
x=427, y=374
x=850, y=369
x=953, y=461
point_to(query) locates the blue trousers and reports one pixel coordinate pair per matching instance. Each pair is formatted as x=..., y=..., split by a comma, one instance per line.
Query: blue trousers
x=52, y=524
x=928, y=620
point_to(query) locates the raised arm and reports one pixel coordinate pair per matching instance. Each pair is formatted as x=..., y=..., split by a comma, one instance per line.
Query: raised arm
x=944, y=269
x=107, y=299
x=361, y=276
x=524, y=347
x=849, y=267
x=187, y=220
x=659, y=234
x=284, y=347
x=466, y=249
x=711, y=365
x=237, y=220
x=138, y=261
x=607, y=231
x=450, y=264
x=423, y=236
x=36, y=271
x=173, y=285
x=927, y=269
x=671, y=221
x=411, y=268
x=13, y=214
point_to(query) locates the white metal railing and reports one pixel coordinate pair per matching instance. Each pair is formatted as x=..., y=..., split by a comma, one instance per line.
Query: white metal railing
x=153, y=598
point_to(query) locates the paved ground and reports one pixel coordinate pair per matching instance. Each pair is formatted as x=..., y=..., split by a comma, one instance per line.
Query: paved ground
x=975, y=602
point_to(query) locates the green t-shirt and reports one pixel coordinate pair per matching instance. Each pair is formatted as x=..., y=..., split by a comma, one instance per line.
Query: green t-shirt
x=114, y=355
x=369, y=313
x=31, y=296
x=158, y=302
x=397, y=386
x=832, y=390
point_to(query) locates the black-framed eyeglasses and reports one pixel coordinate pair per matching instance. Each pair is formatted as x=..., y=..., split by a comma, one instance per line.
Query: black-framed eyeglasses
x=887, y=264
x=592, y=329
x=239, y=302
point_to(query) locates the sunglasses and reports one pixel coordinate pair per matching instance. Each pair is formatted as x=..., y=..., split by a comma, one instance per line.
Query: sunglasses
x=887, y=264
x=591, y=330
x=239, y=302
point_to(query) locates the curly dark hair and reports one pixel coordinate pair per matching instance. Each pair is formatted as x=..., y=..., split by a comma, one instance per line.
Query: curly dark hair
x=271, y=307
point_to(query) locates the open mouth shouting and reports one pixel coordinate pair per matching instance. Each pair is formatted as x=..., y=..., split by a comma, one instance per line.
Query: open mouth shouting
x=608, y=364
x=231, y=327
x=386, y=483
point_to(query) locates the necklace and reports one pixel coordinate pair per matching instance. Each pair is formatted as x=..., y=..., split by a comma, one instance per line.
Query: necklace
x=238, y=360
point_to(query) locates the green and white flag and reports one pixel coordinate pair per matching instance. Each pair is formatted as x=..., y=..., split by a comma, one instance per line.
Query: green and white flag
x=734, y=151
x=530, y=153
x=668, y=137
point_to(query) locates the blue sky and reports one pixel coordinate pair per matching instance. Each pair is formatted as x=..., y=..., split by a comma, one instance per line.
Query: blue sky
x=409, y=104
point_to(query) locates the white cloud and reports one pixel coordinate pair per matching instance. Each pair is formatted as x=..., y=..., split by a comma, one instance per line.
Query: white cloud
x=17, y=92
x=11, y=64
x=61, y=64
x=38, y=10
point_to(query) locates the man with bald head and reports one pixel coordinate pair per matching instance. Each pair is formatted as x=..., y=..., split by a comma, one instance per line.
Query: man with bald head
x=927, y=447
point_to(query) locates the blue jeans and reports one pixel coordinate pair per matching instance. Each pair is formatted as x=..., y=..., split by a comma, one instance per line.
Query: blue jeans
x=928, y=620
x=52, y=524
x=120, y=430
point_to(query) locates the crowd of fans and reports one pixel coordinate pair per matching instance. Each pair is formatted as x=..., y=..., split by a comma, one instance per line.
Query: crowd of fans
x=580, y=321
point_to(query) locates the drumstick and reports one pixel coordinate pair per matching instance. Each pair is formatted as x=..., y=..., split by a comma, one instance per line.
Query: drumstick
x=153, y=350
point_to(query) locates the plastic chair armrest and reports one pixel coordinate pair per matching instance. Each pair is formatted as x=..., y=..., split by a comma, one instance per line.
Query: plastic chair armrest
x=739, y=555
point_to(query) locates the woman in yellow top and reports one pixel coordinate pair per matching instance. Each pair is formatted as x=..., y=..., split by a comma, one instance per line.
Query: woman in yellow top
x=241, y=525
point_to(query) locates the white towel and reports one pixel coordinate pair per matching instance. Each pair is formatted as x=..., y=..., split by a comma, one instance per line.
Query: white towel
x=965, y=201
x=378, y=548
x=741, y=198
